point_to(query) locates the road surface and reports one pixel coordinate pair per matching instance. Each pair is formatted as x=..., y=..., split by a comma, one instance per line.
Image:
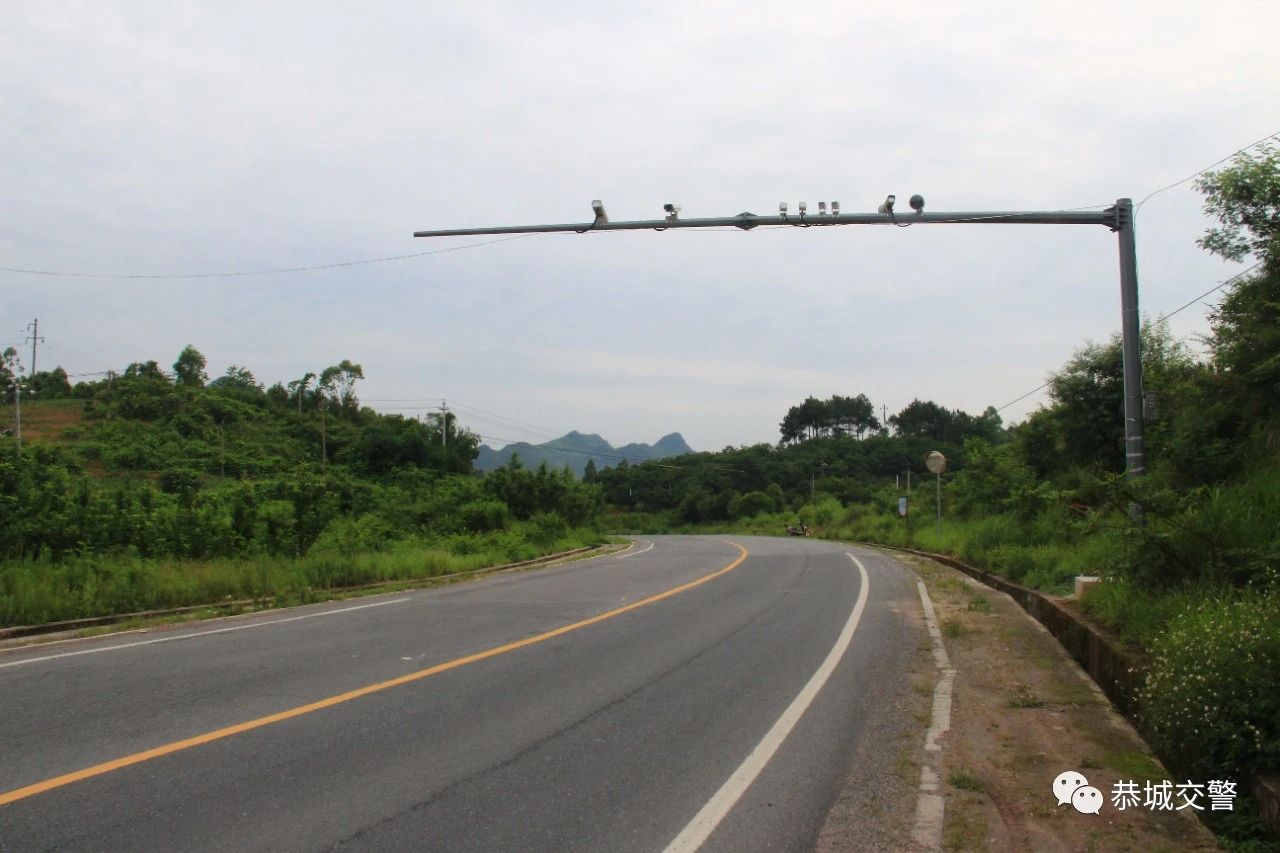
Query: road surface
x=694, y=690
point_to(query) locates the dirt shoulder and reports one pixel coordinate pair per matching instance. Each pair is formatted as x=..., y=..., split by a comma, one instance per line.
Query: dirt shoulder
x=1022, y=713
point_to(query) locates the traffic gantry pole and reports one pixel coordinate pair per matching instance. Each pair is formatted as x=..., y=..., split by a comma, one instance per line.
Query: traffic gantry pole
x=746, y=221
x=1119, y=218
x=1135, y=456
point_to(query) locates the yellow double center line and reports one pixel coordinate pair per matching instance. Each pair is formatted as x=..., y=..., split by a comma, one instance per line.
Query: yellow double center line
x=260, y=722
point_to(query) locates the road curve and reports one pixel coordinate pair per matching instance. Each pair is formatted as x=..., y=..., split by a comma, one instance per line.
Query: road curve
x=601, y=705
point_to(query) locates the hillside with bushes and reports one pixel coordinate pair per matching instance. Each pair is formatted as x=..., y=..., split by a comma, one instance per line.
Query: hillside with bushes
x=154, y=488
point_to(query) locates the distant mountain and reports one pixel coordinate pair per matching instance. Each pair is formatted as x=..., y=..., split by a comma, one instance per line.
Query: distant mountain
x=574, y=449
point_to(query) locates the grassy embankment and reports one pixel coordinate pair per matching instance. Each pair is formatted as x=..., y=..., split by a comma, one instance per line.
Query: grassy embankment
x=35, y=592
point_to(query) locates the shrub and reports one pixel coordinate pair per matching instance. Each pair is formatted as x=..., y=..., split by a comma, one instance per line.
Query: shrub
x=546, y=528
x=1210, y=695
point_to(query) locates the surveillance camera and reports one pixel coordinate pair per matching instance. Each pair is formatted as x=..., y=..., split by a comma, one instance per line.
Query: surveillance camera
x=917, y=203
x=803, y=207
x=782, y=208
x=673, y=211
x=822, y=208
x=887, y=207
x=835, y=208
x=598, y=207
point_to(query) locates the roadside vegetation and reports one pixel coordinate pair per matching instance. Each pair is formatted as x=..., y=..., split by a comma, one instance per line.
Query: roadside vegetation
x=1192, y=579
x=154, y=488
x=150, y=489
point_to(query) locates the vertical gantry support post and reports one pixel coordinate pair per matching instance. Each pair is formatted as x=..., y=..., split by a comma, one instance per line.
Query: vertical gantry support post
x=1135, y=456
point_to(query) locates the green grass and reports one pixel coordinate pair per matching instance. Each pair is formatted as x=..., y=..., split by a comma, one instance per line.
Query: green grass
x=979, y=604
x=965, y=781
x=35, y=592
x=1024, y=698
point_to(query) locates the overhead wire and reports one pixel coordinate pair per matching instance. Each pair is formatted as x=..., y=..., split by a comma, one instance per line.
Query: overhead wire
x=1150, y=195
x=1159, y=319
x=279, y=271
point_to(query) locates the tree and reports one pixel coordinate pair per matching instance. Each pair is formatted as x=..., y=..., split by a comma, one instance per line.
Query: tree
x=188, y=370
x=145, y=370
x=854, y=415
x=237, y=378
x=51, y=384
x=300, y=386
x=1245, y=199
x=340, y=381
x=923, y=417
x=589, y=474
x=10, y=368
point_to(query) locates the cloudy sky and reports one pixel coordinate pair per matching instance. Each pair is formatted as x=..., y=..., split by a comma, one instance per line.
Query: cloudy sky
x=170, y=138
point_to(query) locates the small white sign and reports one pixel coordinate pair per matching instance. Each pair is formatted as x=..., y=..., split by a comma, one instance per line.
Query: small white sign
x=902, y=507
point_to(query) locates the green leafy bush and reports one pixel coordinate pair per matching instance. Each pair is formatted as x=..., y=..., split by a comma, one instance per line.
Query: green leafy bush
x=1211, y=695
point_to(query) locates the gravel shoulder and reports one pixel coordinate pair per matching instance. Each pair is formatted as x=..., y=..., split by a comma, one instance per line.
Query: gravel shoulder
x=1022, y=712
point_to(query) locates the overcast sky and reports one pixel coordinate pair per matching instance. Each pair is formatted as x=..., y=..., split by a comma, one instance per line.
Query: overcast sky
x=156, y=138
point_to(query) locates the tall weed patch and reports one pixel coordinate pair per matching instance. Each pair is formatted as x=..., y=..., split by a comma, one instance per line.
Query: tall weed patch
x=1211, y=695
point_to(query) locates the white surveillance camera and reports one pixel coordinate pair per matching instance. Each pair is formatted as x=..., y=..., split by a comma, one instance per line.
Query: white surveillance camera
x=822, y=208
x=673, y=210
x=835, y=208
x=782, y=208
x=598, y=207
x=887, y=207
x=917, y=203
x=803, y=207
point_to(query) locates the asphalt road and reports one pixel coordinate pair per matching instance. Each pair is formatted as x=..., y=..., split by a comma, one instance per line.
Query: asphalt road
x=459, y=719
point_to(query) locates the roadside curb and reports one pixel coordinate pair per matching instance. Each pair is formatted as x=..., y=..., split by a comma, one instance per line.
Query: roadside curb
x=19, y=631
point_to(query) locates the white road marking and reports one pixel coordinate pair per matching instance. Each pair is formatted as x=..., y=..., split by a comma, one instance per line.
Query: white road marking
x=704, y=822
x=201, y=633
x=634, y=553
x=927, y=832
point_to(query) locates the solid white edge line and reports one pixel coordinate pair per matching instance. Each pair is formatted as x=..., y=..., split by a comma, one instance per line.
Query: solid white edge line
x=931, y=805
x=200, y=634
x=705, y=821
x=636, y=553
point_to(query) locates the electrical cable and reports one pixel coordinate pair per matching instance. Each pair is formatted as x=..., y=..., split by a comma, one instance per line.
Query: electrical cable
x=1160, y=319
x=238, y=273
x=1149, y=196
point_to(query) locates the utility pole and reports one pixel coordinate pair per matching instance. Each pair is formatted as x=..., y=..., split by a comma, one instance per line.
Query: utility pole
x=324, y=448
x=444, y=423
x=939, y=508
x=35, y=338
x=1118, y=218
x=17, y=411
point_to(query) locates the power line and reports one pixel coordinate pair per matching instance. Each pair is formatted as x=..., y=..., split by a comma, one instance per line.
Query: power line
x=1160, y=319
x=1213, y=289
x=1205, y=169
x=473, y=411
x=339, y=264
x=1023, y=397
